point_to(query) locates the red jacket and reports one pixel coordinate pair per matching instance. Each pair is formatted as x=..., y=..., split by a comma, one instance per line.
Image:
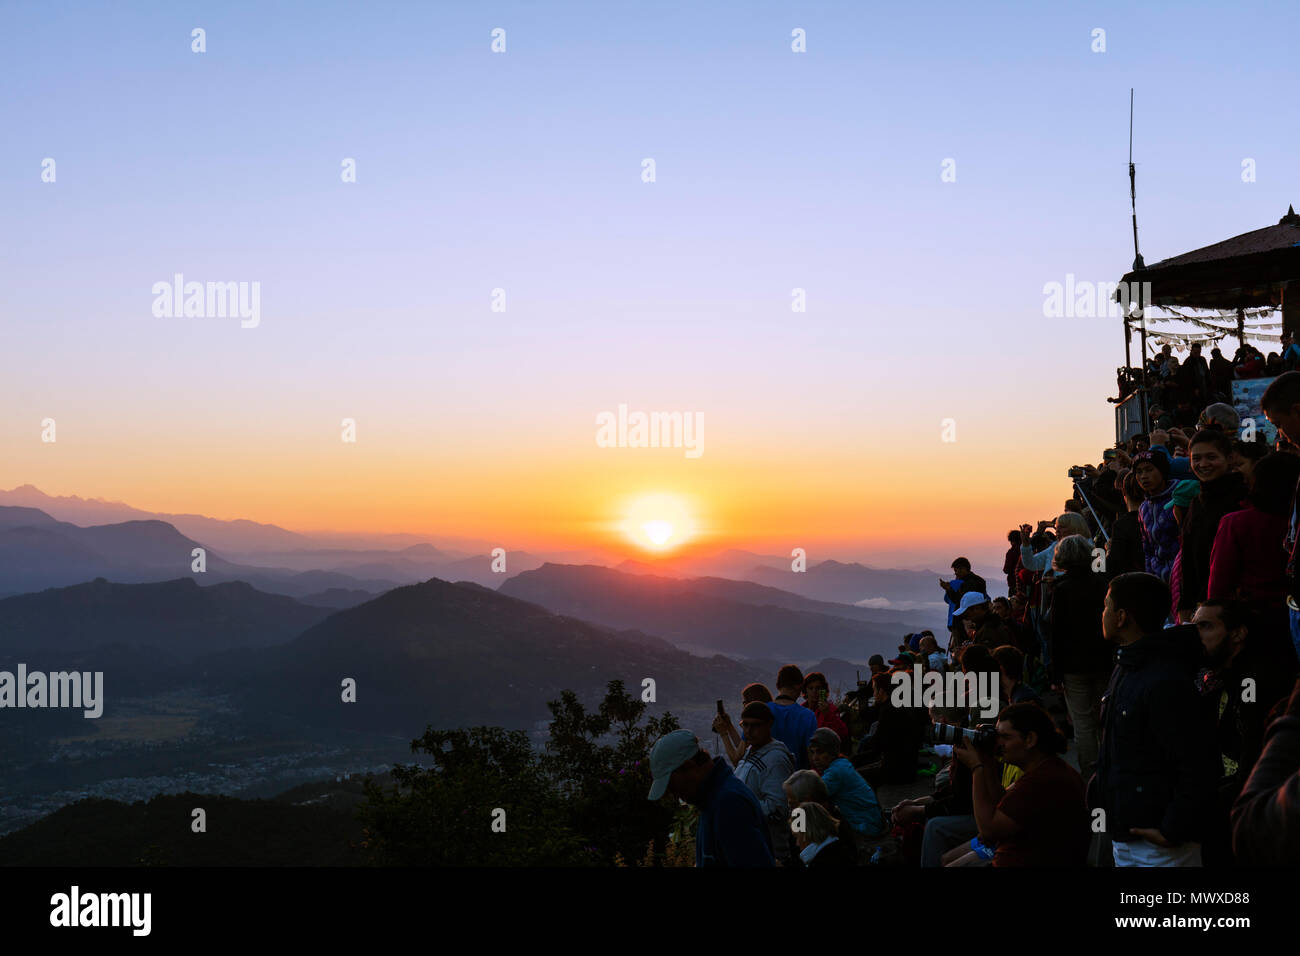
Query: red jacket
x=1248, y=559
x=830, y=717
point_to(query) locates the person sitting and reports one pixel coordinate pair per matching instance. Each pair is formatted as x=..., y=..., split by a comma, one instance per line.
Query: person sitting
x=888, y=753
x=733, y=740
x=764, y=768
x=934, y=658
x=1011, y=670
x=819, y=844
x=1041, y=821
x=816, y=695
x=732, y=830
x=794, y=725
x=848, y=790
x=804, y=786
x=982, y=625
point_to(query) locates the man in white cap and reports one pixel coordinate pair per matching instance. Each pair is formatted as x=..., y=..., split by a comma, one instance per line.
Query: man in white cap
x=988, y=628
x=732, y=829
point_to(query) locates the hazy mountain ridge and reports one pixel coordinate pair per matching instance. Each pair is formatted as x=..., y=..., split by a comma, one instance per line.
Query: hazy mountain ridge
x=457, y=655
x=699, y=619
x=176, y=616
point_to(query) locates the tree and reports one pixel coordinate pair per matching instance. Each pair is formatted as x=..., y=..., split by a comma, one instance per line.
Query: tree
x=444, y=815
x=606, y=781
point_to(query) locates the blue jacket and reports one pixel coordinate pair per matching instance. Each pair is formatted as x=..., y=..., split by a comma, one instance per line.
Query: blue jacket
x=793, y=726
x=1159, y=764
x=732, y=830
x=853, y=797
x=1161, y=536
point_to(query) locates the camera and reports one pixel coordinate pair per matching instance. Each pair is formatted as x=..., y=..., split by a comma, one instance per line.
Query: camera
x=1076, y=472
x=982, y=736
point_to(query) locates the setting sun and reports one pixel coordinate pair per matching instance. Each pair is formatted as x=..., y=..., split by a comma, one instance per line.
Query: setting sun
x=658, y=522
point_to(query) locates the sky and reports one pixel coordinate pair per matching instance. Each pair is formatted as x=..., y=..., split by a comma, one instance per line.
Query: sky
x=920, y=407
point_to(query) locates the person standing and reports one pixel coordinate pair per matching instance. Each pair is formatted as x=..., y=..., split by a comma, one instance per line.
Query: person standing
x=1222, y=492
x=1281, y=404
x=1124, y=549
x=1158, y=769
x=1012, y=559
x=964, y=582
x=1082, y=659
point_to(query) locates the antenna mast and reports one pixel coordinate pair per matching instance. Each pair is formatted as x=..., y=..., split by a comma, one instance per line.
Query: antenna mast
x=1132, y=186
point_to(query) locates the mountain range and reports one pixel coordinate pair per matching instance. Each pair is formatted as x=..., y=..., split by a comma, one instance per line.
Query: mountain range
x=712, y=615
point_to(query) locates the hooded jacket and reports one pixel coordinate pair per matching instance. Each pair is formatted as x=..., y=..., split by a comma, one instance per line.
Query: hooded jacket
x=1160, y=535
x=1217, y=498
x=1159, y=764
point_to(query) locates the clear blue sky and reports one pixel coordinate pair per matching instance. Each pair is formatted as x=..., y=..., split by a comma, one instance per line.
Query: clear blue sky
x=774, y=170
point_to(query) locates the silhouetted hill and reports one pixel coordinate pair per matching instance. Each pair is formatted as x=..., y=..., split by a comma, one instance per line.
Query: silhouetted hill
x=337, y=598
x=158, y=833
x=479, y=568
x=237, y=535
x=14, y=517
x=458, y=656
x=178, y=617
x=697, y=618
x=46, y=553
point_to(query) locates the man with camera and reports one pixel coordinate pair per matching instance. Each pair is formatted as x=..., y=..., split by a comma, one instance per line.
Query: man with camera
x=1042, y=820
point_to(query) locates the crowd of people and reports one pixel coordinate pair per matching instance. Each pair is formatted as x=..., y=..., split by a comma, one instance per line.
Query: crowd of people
x=1154, y=623
x=1180, y=386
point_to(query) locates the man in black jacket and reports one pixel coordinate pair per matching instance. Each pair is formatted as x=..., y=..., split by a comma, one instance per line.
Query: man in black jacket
x=1159, y=768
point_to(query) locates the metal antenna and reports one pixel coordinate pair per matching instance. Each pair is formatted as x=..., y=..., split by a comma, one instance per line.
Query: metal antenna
x=1132, y=186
